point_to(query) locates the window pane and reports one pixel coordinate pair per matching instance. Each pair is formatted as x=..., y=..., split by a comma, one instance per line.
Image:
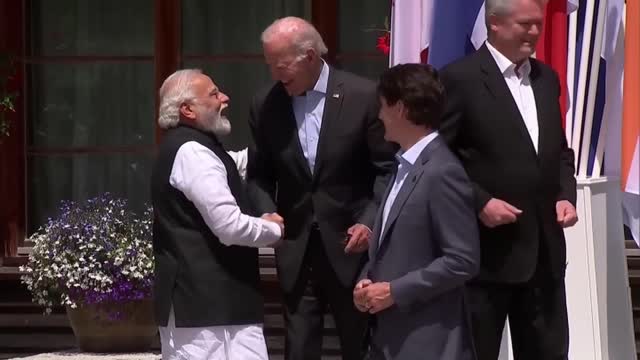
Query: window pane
x=370, y=68
x=95, y=27
x=240, y=81
x=355, y=17
x=79, y=177
x=95, y=104
x=224, y=27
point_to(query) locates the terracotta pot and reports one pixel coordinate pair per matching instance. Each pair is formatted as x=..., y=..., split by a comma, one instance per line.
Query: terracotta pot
x=114, y=328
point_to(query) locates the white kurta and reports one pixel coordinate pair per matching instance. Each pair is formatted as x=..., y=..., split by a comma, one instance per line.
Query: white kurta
x=201, y=176
x=233, y=342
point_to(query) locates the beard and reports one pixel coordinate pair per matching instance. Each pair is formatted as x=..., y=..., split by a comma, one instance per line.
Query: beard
x=215, y=122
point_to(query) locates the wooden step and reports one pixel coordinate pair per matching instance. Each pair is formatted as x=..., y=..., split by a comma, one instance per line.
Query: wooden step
x=633, y=262
x=634, y=277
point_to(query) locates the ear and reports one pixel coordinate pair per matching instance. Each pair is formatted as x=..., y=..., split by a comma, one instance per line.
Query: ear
x=401, y=109
x=493, y=22
x=187, y=111
x=311, y=54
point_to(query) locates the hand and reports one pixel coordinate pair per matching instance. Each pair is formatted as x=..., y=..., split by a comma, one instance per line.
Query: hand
x=374, y=297
x=357, y=239
x=358, y=296
x=274, y=217
x=566, y=214
x=498, y=212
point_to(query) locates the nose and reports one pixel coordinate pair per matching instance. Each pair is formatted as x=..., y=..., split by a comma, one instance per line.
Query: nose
x=223, y=97
x=535, y=29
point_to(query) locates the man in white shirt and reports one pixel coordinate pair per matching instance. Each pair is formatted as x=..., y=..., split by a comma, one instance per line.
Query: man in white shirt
x=503, y=120
x=206, y=292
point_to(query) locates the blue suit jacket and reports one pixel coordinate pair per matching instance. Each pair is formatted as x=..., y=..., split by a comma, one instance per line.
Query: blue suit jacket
x=428, y=249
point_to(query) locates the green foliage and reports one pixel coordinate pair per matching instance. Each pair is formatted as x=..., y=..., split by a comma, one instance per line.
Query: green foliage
x=6, y=98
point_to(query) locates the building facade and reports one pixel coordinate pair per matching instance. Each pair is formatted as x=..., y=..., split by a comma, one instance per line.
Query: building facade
x=86, y=75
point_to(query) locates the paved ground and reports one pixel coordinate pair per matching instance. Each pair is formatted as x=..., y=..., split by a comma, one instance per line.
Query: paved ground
x=83, y=356
x=75, y=355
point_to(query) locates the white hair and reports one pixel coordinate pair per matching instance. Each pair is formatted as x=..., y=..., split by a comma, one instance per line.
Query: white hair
x=302, y=34
x=175, y=90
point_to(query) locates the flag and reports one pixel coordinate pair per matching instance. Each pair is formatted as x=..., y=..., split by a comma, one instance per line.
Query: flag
x=552, y=45
x=410, y=31
x=588, y=71
x=455, y=21
x=630, y=171
x=572, y=5
x=613, y=55
x=460, y=28
x=412, y=24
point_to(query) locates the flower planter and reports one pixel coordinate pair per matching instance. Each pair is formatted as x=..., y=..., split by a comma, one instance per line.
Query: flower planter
x=114, y=328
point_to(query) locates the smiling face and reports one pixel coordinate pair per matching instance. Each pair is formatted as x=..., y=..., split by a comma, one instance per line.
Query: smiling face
x=391, y=119
x=206, y=107
x=294, y=70
x=516, y=33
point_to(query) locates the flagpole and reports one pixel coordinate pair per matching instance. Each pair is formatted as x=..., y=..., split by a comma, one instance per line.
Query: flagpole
x=571, y=75
x=392, y=42
x=593, y=86
x=582, y=82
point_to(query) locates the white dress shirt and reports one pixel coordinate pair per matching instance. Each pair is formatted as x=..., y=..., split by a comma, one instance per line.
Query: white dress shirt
x=308, y=110
x=519, y=84
x=405, y=164
x=241, y=158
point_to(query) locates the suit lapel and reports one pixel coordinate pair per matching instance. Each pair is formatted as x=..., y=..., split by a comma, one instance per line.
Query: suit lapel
x=377, y=228
x=292, y=127
x=497, y=86
x=331, y=115
x=409, y=184
x=407, y=187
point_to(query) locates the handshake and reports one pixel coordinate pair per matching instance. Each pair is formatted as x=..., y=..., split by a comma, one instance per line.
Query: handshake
x=274, y=217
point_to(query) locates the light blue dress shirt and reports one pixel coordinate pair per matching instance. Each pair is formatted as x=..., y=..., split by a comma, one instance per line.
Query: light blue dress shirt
x=406, y=161
x=308, y=111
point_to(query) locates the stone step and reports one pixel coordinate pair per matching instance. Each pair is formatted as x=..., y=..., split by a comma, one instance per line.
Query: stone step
x=33, y=322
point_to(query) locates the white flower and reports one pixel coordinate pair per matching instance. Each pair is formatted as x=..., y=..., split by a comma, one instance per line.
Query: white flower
x=64, y=258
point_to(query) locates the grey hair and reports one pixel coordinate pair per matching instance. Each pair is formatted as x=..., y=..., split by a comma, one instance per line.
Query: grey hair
x=303, y=35
x=498, y=8
x=175, y=90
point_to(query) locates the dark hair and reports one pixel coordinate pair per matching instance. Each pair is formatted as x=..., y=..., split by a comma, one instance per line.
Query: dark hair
x=419, y=88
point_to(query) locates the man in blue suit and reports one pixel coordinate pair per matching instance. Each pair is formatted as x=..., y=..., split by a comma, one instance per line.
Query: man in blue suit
x=425, y=239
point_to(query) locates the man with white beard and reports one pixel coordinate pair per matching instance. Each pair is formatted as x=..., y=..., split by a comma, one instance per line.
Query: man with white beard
x=207, y=299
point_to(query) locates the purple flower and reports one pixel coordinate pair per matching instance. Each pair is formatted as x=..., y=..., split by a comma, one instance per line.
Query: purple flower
x=100, y=250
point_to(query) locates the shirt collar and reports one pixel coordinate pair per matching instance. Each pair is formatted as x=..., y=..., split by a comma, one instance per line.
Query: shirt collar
x=411, y=155
x=323, y=79
x=505, y=65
